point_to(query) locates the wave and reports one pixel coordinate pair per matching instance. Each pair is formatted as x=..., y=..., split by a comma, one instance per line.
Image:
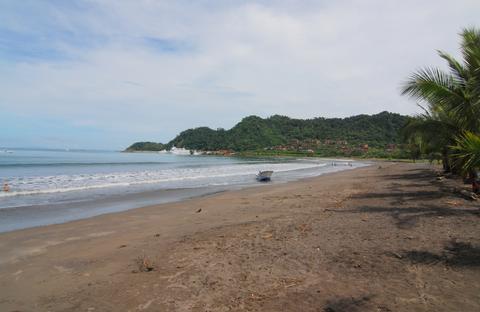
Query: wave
x=69, y=183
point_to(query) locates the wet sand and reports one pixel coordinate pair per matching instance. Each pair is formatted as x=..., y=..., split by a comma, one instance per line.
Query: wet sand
x=370, y=239
x=40, y=215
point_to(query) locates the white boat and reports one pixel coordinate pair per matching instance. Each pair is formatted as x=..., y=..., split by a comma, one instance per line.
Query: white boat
x=264, y=176
x=179, y=151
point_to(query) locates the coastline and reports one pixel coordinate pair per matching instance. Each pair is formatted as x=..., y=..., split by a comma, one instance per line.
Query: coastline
x=308, y=244
x=90, y=205
x=299, y=155
x=25, y=217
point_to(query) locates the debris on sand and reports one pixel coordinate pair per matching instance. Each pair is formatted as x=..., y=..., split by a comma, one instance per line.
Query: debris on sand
x=144, y=264
x=199, y=210
x=267, y=236
x=453, y=202
x=397, y=255
x=468, y=195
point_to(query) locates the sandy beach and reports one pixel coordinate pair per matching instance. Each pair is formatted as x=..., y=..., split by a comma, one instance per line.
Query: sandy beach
x=388, y=237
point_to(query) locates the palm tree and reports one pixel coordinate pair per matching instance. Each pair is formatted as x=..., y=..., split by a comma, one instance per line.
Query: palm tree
x=433, y=131
x=451, y=103
x=467, y=153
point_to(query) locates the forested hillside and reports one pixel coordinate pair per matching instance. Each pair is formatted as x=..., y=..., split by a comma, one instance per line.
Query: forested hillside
x=284, y=133
x=145, y=146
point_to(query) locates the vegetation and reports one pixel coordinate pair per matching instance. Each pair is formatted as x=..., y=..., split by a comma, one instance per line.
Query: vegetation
x=467, y=150
x=362, y=135
x=145, y=146
x=255, y=133
x=450, y=124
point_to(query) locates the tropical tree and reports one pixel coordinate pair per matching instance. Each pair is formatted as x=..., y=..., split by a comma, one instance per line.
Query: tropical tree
x=451, y=104
x=467, y=153
x=433, y=131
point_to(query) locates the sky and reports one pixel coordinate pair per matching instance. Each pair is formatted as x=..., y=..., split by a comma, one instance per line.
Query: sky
x=104, y=74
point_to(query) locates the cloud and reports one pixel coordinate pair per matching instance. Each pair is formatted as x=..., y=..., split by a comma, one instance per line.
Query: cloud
x=149, y=69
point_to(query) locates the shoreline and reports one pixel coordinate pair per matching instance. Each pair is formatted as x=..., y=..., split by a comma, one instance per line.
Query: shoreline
x=13, y=218
x=30, y=216
x=305, y=157
x=351, y=240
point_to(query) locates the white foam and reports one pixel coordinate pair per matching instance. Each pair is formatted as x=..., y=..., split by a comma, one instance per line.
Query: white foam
x=21, y=186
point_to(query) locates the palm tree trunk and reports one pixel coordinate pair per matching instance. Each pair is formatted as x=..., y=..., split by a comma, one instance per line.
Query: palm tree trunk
x=446, y=162
x=475, y=186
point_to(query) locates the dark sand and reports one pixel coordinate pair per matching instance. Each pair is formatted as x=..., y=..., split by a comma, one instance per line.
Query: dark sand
x=370, y=239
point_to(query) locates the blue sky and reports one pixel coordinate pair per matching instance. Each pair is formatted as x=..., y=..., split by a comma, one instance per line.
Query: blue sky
x=103, y=74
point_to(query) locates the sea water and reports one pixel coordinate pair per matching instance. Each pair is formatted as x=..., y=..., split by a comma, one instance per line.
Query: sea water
x=55, y=186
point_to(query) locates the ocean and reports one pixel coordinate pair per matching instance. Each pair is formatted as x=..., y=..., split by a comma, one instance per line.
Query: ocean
x=56, y=186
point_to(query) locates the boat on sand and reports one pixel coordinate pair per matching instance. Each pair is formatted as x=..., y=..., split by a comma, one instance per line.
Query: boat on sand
x=264, y=176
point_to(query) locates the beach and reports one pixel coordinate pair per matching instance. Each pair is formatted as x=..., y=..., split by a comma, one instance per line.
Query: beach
x=387, y=237
x=56, y=186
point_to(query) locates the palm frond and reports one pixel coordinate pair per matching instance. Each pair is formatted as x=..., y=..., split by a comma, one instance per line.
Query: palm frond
x=456, y=68
x=467, y=151
x=433, y=86
x=471, y=48
x=430, y=133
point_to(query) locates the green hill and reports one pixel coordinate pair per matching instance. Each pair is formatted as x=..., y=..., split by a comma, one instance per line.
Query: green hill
x=145, y=146
x=253, y=133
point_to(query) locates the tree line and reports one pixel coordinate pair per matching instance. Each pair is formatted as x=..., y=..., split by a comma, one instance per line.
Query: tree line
x=256, y=133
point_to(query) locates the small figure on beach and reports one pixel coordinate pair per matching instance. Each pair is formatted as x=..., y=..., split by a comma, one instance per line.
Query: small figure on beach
x=6, y=187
